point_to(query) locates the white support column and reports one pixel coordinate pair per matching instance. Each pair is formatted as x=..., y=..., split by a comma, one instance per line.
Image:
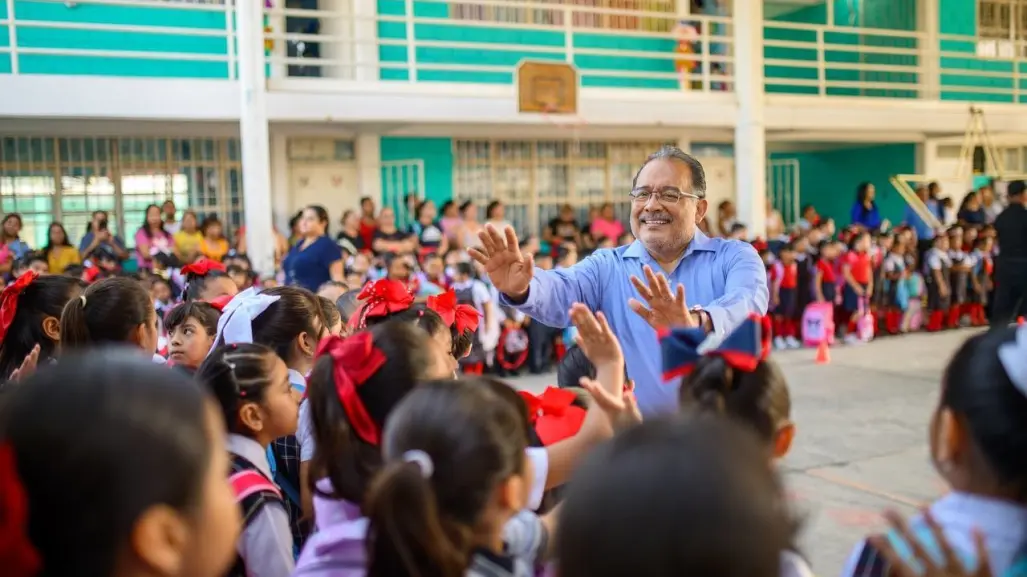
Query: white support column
x=365, y=38
x=369, y=166
x=750, y=136
x=929, y=23
x=281, y=180
x=254, y=135
x=685, y=143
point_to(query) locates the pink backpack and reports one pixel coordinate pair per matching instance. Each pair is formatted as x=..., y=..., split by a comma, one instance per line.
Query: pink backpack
x=865, y=322
x=818, y=324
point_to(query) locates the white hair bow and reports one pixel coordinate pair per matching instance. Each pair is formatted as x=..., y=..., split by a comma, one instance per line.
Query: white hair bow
x=236, y=322
x=1014, y=359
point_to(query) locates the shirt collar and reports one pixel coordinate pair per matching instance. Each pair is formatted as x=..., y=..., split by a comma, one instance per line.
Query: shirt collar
x=700, y=242
x=297, y=380
x=250, y=450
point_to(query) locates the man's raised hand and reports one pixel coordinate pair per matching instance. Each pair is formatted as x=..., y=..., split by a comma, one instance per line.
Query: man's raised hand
x=500, y=254
x=663, y=307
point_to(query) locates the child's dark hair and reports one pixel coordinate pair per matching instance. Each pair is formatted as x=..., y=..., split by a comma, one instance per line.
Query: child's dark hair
x=44, y=297
x=430, y=321
x=291, y=315
x=105, y=312
x=979, y=389
x=757, y=399
x=132, y=434
x=731, y=485
x=196, y=283
x=348, y=304
x=421, y=521
x=341, y=456
x=27, y=260
x=236, y=374
x=465, y=269
x=329, y=312
x=204, y=313
x=573, y=367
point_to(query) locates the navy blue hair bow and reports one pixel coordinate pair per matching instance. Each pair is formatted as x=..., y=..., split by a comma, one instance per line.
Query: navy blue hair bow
x=743, y=349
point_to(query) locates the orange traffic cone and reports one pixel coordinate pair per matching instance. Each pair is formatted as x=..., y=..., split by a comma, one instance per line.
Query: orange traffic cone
x=823, y=353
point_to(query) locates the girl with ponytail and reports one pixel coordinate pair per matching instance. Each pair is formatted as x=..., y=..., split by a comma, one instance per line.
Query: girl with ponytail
x=450, y=500
x=30, y=316
x=733, y=378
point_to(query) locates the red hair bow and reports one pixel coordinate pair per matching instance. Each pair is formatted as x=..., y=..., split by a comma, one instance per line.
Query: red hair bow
x=355, y=359
x=202, y=267
x=220, y=302
x=383, y=297
x=553, y=414
x=464, y=317
x=9, y=300
x=17, y=555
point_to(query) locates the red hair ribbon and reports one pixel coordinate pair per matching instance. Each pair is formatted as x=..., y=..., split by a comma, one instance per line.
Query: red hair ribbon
x=17, y=555
x=743, y=349
x=202, y=267
x=355, y=359
x=383, y=297
x=220, y=302
x=463, y=317
x=9, y=300
x=553, y=414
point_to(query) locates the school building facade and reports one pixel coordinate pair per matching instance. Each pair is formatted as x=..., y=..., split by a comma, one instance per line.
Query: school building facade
x=274, y=104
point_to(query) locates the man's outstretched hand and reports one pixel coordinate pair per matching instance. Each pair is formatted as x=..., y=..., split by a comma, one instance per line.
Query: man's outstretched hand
x=664, y=308
x=500, y=254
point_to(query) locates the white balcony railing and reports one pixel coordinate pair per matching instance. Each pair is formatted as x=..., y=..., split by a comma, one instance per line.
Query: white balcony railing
x=431, y=41
x=637, y=44
x=824, y=60
x=191, y=39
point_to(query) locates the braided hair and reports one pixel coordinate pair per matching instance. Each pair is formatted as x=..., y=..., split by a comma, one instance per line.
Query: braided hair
x=237, y=374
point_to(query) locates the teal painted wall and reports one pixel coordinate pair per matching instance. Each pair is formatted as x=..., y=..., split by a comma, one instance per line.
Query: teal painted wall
x=828, y=179
x=888, y=14
x=533, y=44
x=165, y=15
x=437, y=154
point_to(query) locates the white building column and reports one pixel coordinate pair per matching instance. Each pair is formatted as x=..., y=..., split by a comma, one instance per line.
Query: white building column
x=685, y=143
x=254, y=135
x=750, y=136
x=929, y=22
x=368, y=150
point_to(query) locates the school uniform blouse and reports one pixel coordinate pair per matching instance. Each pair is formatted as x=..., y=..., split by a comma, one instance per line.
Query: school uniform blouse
x=266, y=543
x=1003, y=524
x=310, y=267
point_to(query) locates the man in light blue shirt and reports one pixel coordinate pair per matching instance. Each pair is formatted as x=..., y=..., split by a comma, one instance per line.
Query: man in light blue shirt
x=725, y=280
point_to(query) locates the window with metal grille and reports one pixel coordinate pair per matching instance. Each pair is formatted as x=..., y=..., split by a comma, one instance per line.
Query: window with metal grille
x=535, y=178
x=53, y=179
x=641, y=15
x=1002, y=19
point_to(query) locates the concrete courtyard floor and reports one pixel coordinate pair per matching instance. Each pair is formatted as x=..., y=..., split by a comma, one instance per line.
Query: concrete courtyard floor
x=861, y=443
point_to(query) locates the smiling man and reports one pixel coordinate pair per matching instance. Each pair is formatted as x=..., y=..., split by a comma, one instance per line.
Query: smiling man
x=690, y=279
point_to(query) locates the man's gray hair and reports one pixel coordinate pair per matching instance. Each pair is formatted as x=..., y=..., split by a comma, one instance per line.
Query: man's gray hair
x=675, y=153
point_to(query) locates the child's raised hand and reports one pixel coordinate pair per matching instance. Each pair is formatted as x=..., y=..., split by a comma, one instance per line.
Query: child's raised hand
x=622, y=410
x=950, y=565
x=28, y=366
x=596, y=339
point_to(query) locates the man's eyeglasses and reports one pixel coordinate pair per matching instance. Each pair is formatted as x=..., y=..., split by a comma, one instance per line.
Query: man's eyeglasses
x=666, y=196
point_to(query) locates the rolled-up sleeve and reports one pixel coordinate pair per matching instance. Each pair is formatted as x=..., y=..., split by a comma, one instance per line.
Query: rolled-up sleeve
x=552, y=292
x=745, y=291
